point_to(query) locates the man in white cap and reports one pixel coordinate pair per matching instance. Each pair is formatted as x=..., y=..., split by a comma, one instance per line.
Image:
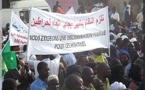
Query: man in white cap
x=128, y=15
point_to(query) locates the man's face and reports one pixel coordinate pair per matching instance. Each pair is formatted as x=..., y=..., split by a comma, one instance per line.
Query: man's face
x=131, y=47
x=124, y=59
x=44, y=72
x=84, y=61
x=79, y=85
x=107, y=70
x=113, y=10
x=54, y=84
x=91, y=75
x=131, y=35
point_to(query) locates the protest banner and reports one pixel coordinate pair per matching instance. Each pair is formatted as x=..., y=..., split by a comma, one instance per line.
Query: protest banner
x=18, y=31
x=71, y=11
x=53, y=33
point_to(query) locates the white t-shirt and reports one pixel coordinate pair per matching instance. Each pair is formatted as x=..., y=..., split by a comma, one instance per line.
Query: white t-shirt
x=139, y=18
x=52, y=64
x=69, y=59
x=115, y=16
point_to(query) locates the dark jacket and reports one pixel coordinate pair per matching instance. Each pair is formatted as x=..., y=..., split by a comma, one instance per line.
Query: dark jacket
x=24, y=82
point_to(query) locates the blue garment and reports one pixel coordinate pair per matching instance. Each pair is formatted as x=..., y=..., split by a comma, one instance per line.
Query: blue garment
x=114, y=52
x=38, y=84
x=132, y=27
x=69, y=59
x=125, y=51
x=110, y=13
x=123, y=13
x=127, y=68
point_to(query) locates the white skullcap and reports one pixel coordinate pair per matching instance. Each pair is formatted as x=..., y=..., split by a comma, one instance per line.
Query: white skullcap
x=118, y=35
x=117, y=86
x=52, y=77
x=123, y=37
x=133, y=39
x=128, y=6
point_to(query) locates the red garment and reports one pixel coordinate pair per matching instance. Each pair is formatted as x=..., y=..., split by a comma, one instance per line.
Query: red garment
x=133, y=86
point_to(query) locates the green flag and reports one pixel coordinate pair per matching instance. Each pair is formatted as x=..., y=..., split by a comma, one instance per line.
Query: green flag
x=6, y=47
x=9, y=57
x=4, y=68
x=10, y=60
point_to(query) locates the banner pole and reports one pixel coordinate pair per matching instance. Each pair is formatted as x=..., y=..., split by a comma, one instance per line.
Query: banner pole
x=108, y=32
x=28, y=54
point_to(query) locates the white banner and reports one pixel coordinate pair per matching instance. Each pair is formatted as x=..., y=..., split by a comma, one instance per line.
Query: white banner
x=18, y=31
x=71, y=11
x=52, y=33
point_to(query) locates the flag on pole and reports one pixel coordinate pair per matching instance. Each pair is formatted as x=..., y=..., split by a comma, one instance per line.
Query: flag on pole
x=9, y=58
x=4, y=68
x=5, y=50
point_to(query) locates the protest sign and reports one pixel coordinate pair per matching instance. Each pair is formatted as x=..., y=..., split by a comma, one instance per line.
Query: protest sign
x=18, y=31
x=53, y=33
x=71, y=11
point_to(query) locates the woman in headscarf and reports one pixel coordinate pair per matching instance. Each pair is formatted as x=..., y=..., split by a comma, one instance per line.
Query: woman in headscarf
x=128, y=15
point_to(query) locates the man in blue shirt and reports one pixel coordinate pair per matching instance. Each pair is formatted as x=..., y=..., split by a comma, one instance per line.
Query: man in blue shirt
x=40, y=82
x=124, y=9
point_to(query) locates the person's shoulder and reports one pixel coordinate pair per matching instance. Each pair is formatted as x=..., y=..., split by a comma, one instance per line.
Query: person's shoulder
x=117, y=13
x=36, y=82
x=34, y=85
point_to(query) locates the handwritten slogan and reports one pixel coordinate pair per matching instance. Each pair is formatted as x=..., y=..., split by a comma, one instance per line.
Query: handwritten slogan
x=52, y=33
x=18, y=31
x=39, y=21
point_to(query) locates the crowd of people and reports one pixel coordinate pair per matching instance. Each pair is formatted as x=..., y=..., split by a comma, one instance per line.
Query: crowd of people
x=122, y=68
